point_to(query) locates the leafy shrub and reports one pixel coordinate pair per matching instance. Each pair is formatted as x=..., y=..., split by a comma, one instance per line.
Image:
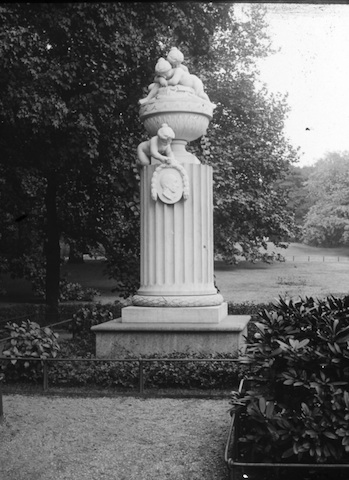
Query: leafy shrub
x=247, y=308
x=207, y=374
x=158, y=374
x=90, y=315
x=200, y=375
x=28, y=340
x=297, y=407
x=75, y=292
x=93, y=374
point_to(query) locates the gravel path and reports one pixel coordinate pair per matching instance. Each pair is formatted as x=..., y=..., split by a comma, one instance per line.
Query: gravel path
x=121, y=438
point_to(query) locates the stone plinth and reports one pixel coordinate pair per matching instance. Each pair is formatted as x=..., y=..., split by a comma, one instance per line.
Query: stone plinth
x=179, y=315
x=116, y=339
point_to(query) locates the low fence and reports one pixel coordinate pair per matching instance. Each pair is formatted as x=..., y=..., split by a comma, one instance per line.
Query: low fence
x=141, y=365
x=316, y=258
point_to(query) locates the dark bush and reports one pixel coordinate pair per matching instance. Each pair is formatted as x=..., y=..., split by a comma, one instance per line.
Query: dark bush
x=74, y=291
x=28, y=340
x=90, y=315
x=207, y=374
x=297, y=405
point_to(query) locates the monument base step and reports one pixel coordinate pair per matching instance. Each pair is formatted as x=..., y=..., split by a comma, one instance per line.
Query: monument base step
x=199, y=315
x=118, y=339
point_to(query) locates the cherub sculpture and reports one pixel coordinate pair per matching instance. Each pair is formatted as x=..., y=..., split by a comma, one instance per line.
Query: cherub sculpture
x=160, y=79
x=158, y=147
x=177, y=76
x=176, y=57
x=174, y=73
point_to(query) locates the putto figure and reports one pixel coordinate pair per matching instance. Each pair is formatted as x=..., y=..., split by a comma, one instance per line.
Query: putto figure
x=158, y=147
x=171, y=72
x=176, y=57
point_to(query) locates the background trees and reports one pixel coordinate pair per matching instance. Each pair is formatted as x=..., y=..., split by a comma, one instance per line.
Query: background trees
x=327, y=222
x=246, y=144
x=71, y=75
x=299, y=201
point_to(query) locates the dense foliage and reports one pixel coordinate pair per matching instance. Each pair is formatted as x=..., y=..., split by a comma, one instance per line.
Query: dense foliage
x=187, y=375
x=299, y=200
x=71, y=77
x=245, y=143
x=203, y=375
x=28, y=340
x=296, y=407
x=327, y=222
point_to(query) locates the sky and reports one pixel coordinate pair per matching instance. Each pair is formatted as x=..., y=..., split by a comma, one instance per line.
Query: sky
x=312, y=66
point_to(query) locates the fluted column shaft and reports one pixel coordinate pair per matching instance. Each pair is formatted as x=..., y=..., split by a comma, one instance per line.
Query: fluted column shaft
x=177, y=239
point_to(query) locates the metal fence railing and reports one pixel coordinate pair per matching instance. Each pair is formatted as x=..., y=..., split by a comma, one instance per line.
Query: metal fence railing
x=141, y=364
x=316, y=258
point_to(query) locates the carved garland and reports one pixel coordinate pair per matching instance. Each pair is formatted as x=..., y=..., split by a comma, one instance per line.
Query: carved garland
x=181, y=170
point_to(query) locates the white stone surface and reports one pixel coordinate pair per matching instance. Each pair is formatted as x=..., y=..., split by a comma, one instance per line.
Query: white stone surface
x=198, y=315
x=116, y=339
x=177, y=106
x=177, y=239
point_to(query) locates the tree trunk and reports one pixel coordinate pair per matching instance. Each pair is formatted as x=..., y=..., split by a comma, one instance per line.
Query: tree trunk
x=52, y=251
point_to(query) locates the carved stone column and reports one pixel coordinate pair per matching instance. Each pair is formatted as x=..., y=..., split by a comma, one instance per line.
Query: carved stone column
x=177, y=244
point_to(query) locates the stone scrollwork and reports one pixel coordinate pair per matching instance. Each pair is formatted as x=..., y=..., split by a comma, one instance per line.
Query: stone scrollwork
x=177, y=301
x=169, y=183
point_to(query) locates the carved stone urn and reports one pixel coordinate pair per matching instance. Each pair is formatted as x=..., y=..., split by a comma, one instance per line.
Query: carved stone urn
x=186, y=113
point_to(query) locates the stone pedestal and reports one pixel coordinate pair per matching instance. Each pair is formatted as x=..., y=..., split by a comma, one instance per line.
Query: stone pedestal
x=177, y=307
x=116, y=339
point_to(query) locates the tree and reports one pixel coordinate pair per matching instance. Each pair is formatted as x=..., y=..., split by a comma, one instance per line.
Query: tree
x=70, y=75
x=299, y=200
x=245, y=143
x=327, y=222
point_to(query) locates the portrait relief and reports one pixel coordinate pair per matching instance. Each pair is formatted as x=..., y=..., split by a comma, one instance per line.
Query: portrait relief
x=169, y=185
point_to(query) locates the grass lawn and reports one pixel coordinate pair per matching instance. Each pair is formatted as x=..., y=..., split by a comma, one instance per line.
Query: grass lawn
x=307, y=271
x=120, y=438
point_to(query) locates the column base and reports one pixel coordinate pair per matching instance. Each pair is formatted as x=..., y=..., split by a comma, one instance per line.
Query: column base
x=176, y=301
x=197, y=315
x=116, y=339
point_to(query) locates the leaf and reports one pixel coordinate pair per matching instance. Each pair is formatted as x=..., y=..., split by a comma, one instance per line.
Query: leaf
x=305, y=408
x=329, y=434
x=288, y=453
x=290, y=381
x=262, y=404
x=270, y=409
x=303, y=343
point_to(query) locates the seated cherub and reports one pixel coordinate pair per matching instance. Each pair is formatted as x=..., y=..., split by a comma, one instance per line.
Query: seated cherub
x=178, y=76
x=176, y=57
x=160, y=80
x=168, y=76
x=157, y=146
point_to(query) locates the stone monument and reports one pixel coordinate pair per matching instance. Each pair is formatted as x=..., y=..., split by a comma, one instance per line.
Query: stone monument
x=177, y=307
